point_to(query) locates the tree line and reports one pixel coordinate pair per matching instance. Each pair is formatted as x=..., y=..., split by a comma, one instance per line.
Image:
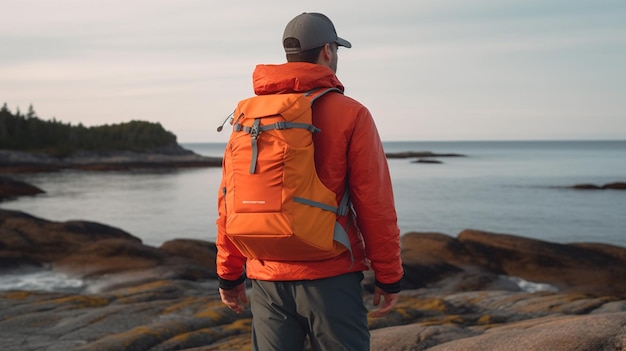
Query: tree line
x=30, y=133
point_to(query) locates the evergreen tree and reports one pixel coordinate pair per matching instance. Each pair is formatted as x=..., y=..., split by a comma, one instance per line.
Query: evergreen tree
x=30, y=133
x=31, y=112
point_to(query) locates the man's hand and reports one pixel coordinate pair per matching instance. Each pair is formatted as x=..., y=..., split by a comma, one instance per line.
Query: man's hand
x=235, y=298
x=389, y=302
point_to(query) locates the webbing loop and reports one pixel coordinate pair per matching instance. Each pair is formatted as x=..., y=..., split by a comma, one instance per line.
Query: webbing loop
x=254, y=135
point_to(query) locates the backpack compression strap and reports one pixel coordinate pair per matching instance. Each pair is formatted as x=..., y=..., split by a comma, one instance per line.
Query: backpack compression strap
x=256, y=129
x=339, y=234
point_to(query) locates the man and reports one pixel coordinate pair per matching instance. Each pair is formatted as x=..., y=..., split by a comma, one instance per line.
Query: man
x=323, y=299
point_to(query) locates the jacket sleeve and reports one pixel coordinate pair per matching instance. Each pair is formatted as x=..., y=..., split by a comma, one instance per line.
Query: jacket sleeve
x=230, y=262
x=372, y=197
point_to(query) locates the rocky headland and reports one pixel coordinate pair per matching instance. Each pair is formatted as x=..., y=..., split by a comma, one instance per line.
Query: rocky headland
x=32, y=144
x=173, y=156
x=475, y=291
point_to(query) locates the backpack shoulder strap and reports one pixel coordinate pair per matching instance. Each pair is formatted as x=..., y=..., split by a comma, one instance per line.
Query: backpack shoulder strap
x=316, y=93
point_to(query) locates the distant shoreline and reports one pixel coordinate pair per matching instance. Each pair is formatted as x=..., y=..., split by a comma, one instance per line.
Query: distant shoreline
x=13, y=161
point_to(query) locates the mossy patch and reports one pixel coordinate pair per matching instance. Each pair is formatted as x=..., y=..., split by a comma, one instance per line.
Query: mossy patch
x=16, y=295
x=485, y=319
x=218, y=314
x=147, y=287
x=425, y=306
x=184, y=304
x=83, y=301
x=453, y=319
x=240, y=324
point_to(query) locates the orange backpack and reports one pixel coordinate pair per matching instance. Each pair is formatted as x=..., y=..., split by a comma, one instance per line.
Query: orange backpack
x=276, y=206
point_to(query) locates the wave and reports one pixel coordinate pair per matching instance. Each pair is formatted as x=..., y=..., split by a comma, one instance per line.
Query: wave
x=44, y=280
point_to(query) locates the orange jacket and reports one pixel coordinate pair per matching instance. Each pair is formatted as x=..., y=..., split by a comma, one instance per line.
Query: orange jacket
x=347, y=150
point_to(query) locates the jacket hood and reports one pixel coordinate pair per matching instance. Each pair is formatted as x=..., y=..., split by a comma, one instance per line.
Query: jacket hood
x=292, y=77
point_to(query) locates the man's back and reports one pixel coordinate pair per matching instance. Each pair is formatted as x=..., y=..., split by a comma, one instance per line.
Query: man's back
x=322, y=299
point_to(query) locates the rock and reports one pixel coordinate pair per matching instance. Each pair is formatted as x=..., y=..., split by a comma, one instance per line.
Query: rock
x=598, y=332
x=477, y=260
x=200, y=251
x=424, y=160
x=112, y=263
x=11, y=188
x=423, y=154
x=16, y=263
x=461, y=293
x=110, y=256
x=586, y=187
x=594, y=270
x=416, y=336
x=23, y=236
x=168, y=315
x=426, y=258
x=439, y=260
x=106, y=257
x=136, y=318
x=428, y=319
x=613, y=186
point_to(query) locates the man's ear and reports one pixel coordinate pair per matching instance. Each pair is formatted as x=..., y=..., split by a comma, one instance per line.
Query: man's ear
x=326, y=54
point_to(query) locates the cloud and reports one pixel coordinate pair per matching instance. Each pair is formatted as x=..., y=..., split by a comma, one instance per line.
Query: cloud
x=427, y=69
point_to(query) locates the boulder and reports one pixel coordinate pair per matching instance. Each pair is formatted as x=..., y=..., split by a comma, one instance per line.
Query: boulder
x=11, y=188
x=428, y=257
x=203, y=252
x=105, y=256
x=477, y=260
x=597, y=270
x=23, y=236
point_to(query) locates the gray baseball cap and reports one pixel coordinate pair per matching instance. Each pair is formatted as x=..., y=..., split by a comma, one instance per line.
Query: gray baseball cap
x=312, y=31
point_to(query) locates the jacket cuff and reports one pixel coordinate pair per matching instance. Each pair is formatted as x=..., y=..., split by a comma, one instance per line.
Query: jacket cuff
x=389, y=288
x=226, y=284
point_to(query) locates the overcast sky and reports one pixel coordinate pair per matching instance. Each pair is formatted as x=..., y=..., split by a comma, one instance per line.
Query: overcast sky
x=426, y=69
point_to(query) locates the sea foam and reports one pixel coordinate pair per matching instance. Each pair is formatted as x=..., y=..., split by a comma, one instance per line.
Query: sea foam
x=41, y=280
x=532, y=287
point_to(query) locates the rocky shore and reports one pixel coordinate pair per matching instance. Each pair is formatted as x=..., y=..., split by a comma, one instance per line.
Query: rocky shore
x=475, y=291
x=12, y=161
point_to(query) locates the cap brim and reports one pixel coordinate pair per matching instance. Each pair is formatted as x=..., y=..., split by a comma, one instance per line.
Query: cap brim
x=343, y=42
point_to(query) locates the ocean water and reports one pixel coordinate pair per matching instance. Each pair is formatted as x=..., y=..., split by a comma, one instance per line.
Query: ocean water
x=505, y=187
x=513, y=187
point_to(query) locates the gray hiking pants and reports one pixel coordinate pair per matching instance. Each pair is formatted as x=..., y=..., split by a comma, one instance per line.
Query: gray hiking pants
x=330, y=311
